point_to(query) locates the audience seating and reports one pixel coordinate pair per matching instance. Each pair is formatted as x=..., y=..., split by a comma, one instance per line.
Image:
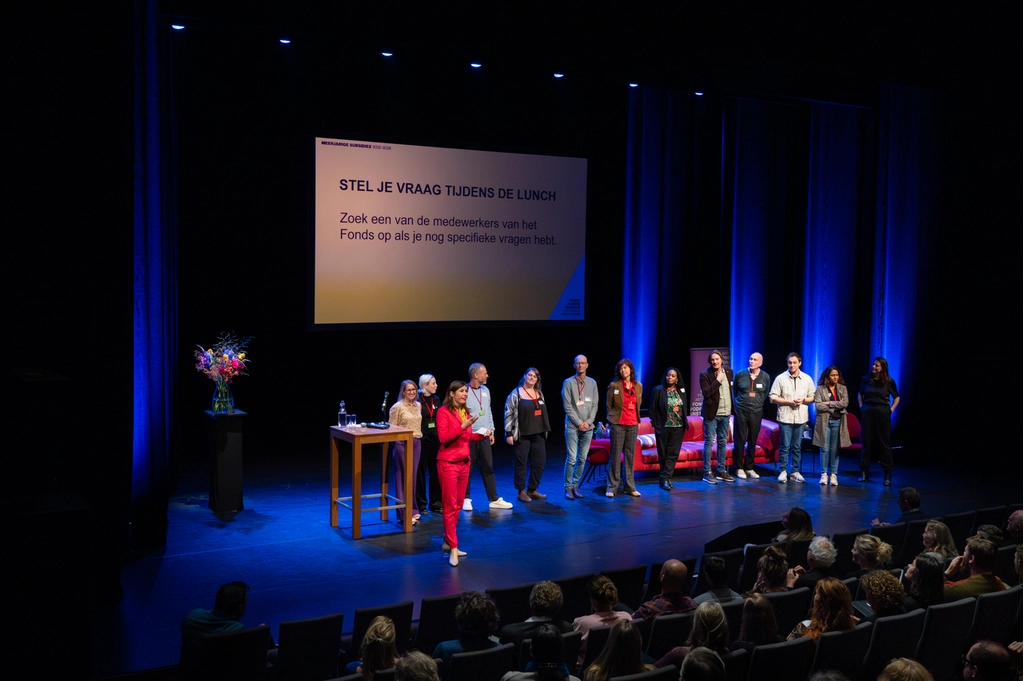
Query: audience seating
x=791, y=607
x=399, y=613
x=944, y=637
x=437, y=622
x=513, y=602
x=913, y=544
x=788, y=661
x=893, y=535
x=733, y=564
x=960, y=526
x=748, y=573
x=843, y=651
x=570, y=645
x=892, y=637
x=308, y=649
x=575, y=597
x=737, y=665
x=796, y=552
x=843, y=541
x=482, y=665
x=734, y=618
x=994, y=616
x=384, y=675
x=235, y=656
x=993, y=515
x=596, y=640
x=630, y=583
x=1005, y=569
x=667, y=632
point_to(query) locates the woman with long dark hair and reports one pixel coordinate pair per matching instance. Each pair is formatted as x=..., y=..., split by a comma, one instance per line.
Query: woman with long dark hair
x=758, y=625
x=926, y=579
x=548, y=663
x=526, y=427
x=454, y=430
x=878, y=399
x=796, y=525
x=830, y=432
x=624, y=396
x=668, y=416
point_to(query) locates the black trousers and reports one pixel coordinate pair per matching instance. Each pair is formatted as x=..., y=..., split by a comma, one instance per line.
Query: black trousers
x=875, y=430
x=530, y=450
x=669, y=440
x=481, y=457
x=428, y=467
x=748, y=427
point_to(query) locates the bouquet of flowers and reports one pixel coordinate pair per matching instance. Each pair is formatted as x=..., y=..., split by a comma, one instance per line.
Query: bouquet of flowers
x=222, y=363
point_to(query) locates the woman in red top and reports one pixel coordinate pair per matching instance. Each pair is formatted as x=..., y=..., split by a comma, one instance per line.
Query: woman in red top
x=624, y=397
x=454, y=430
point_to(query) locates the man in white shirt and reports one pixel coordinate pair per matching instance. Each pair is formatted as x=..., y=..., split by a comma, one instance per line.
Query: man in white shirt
x=792, y=392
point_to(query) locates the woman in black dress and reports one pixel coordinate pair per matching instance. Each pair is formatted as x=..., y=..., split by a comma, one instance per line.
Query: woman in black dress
x=878, y=399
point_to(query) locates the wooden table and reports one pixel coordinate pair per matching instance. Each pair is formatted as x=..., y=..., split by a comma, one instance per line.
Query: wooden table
x=358, y=437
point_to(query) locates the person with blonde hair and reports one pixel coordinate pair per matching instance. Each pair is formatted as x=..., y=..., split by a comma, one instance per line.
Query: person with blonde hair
x=710, y=630
x=938, y=539
x=415, y=666
x=905, y=669
x=832, y=610
x=621, y=655
x=869, y=553
x=378, y=649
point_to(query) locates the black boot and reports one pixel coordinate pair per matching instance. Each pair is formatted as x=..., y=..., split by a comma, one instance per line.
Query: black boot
x=863, y=475
x=665, y=484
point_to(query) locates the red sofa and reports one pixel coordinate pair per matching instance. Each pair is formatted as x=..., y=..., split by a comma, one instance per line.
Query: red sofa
x=691, y=454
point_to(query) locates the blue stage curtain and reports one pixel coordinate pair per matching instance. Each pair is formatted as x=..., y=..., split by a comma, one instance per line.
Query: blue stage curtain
x=839, y=208
x=156, y=287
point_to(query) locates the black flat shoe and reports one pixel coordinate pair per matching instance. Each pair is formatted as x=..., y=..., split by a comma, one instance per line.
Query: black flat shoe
x=863, y=477
x=665, y=485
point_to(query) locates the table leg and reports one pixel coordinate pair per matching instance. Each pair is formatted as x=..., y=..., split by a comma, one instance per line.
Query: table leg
x=334, y=481
x=384, y=488
x=357, y=487
x=410, y=475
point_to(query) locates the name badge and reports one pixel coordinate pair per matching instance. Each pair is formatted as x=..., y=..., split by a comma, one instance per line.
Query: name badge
x=579, y=403
x=538, y=412
x=675, y=409
x=751, y=394
x=430, y=425
x=540, y=401
x=482, y=412
x=758, y=386
x=586, y=399
x=616, y=392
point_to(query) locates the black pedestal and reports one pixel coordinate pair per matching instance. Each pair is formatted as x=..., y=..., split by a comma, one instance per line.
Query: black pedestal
x=225, y=456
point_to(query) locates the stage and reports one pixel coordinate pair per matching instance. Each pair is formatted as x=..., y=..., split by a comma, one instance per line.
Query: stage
x=282, y=544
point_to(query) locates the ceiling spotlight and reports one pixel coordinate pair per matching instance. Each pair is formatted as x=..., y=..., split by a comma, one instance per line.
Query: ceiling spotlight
x=634, y=84
x=178, y=27
x=699, y=94
x=475, y=64
x=559, y=75
x=387, y=54
x=286, y=41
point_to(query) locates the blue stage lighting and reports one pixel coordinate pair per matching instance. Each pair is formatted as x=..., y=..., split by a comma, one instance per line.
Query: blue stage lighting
x=699, y=94
x=475, y=64
x=387, y=54
x=286, y=41
x=634, y=85
x=559, y=75
x=178, y=27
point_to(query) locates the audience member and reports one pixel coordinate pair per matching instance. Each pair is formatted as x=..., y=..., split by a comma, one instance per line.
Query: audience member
x=796, y=525
x=621, y=655
x=476, y=616
x=228, y=609
x=703, y=665
x=548, y=658
x=884, y=594
x=938, y=539
x=821, y=554
x=832, y=611
x=926, y=580
x=828, y=675
x=758, y=625
x=378, y=650
x=992, y=533
x=717, y=576
x=772, y=571
x=905, y=669
x=545, y=602
x=987, y=661
x=910, y=505
x=415, y=666
x=869, y=553
x=671, y=599
x=1014, y=525
x=710, y=630
x=980, y=559
x=603, y=599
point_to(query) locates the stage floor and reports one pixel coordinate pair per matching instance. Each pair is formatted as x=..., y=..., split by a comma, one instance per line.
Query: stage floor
x=297, y=566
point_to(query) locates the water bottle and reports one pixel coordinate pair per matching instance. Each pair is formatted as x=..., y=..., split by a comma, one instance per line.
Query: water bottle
x=342, y=415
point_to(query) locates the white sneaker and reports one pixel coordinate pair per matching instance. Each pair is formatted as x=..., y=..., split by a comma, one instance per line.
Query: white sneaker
x=796, y=476
x=500, y=503
x=467, y=505
x=751, y=473
x=834, y=481
x=783, y=477
x=824, y=479
x=741, y=474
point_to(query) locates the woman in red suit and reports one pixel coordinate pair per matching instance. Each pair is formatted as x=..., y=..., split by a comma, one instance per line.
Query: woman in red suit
x=454, y=430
